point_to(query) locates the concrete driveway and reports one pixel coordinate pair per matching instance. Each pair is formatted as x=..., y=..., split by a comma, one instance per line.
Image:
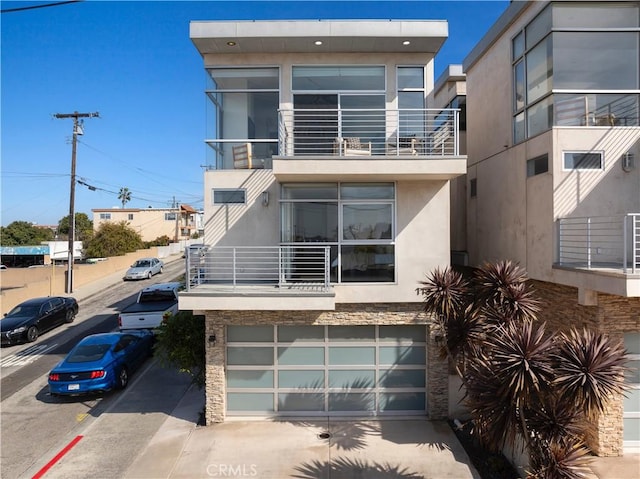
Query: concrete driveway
x=407, y=449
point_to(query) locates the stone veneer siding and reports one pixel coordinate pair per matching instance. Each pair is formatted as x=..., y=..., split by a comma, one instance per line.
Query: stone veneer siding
x=614, y=316
x=344, y=314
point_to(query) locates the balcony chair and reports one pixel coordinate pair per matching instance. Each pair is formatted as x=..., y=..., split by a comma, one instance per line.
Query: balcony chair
x=243, y=158
x=352, y=146
x=404, y=146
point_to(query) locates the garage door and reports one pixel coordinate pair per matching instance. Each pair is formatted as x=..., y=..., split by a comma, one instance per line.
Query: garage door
x=326, y=370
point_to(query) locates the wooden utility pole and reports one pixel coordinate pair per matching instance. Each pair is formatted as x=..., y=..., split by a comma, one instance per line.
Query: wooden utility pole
x=77, y=130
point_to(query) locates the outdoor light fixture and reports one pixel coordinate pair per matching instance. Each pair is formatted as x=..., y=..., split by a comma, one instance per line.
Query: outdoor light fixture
x=318, y=42
x=265, y=198
x=231, y=44
x=212, y=339
x=406, y=42
x=628, y=163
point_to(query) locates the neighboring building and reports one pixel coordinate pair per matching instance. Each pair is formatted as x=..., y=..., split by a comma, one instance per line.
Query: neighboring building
x=450, y=91
x=553, y=106
x=326, y=202
x=176, y=223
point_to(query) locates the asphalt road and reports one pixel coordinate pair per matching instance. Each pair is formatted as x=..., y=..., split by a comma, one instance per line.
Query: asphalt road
x=114, y=427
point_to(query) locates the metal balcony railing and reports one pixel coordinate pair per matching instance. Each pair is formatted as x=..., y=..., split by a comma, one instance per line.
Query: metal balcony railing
x=600, y=242
x=238, y=266
x=368, y=132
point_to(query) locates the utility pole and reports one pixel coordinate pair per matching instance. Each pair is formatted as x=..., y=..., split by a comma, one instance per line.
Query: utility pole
x=176, y=205
x=77, y=130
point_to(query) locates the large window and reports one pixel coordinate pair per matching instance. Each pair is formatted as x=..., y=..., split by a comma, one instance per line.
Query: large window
x=355, y=219
x=586, y=51
x=243, y=106
x=340, y=101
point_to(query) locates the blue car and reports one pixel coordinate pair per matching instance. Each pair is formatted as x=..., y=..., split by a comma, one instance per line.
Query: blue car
x=101, y=362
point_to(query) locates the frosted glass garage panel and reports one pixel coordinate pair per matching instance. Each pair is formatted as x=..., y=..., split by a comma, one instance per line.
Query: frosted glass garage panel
x=300, y=356
x=633, y=373
x=249, y=334
x=300, y=402
x=405, y=355
x=402, y=378
x=259, y=402
x=351, y=402
x=249, y=379
x=402, y=402
x=632, y=401
x=301, y=379
x=352, y=378
x=417, y=334
x=290, y=334
x=352, y=333
x=244, y=356
x=631, y=427
x=352, y=356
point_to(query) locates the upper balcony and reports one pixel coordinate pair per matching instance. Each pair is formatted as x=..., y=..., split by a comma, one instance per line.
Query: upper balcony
x=383, y=144
x=605, y=246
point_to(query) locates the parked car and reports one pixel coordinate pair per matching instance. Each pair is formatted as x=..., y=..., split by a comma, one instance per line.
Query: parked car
x=144, y=268
x=29, y=319
x=151, y=307
x=101, y=362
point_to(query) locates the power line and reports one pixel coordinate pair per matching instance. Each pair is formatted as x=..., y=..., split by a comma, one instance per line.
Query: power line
x=44, y=5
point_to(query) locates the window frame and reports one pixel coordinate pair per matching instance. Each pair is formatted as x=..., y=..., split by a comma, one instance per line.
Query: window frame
x=340, y=241
x=241, y=191
x=574, y=168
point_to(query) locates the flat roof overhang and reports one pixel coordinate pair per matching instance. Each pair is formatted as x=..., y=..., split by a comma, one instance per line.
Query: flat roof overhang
x=205, y=299
x=314, y=169
x=302, y=36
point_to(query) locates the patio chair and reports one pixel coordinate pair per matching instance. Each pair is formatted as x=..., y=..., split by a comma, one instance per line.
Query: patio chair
x=404, y=146
x=352, y=146
x=243, y=158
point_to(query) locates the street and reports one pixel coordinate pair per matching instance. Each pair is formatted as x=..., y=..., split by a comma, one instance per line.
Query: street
x=112, y=427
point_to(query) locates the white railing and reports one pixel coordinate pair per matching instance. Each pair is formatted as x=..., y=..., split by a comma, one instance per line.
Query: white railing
x=600, y=242
x=258, y=266
x=368, y=132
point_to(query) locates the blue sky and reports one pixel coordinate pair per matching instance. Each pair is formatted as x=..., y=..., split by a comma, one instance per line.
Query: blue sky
x=133, y=62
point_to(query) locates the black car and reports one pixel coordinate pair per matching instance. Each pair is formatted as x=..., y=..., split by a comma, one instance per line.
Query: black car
x=27, y=320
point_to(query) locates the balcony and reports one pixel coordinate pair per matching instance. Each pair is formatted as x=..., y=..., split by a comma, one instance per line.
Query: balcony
x=326, y=144
x=422, y=144
x=369, y=132
x=603, y=245
x=258, y=277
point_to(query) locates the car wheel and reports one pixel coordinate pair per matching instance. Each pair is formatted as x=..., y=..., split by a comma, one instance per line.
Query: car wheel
x=32, y=334
x=70, y=317
x=160, y=269
x=149, y=275
x=123, y=378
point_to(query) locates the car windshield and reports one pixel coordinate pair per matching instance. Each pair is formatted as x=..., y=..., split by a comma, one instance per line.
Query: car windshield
x=88, y=352
x=25, y=310
x=141, y=264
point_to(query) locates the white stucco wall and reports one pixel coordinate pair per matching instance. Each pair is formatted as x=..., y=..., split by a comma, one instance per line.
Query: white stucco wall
x=422, y=229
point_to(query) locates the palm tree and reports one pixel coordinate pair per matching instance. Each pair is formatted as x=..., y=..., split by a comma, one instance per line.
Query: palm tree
x=523, y=384
x=124, y=196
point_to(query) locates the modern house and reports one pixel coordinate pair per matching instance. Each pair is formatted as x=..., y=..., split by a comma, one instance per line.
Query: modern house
x=327, y=200
x=553, y=142
x=179, y=223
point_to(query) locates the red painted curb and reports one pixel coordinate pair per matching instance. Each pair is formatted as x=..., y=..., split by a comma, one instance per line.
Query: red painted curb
x=57, y=457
